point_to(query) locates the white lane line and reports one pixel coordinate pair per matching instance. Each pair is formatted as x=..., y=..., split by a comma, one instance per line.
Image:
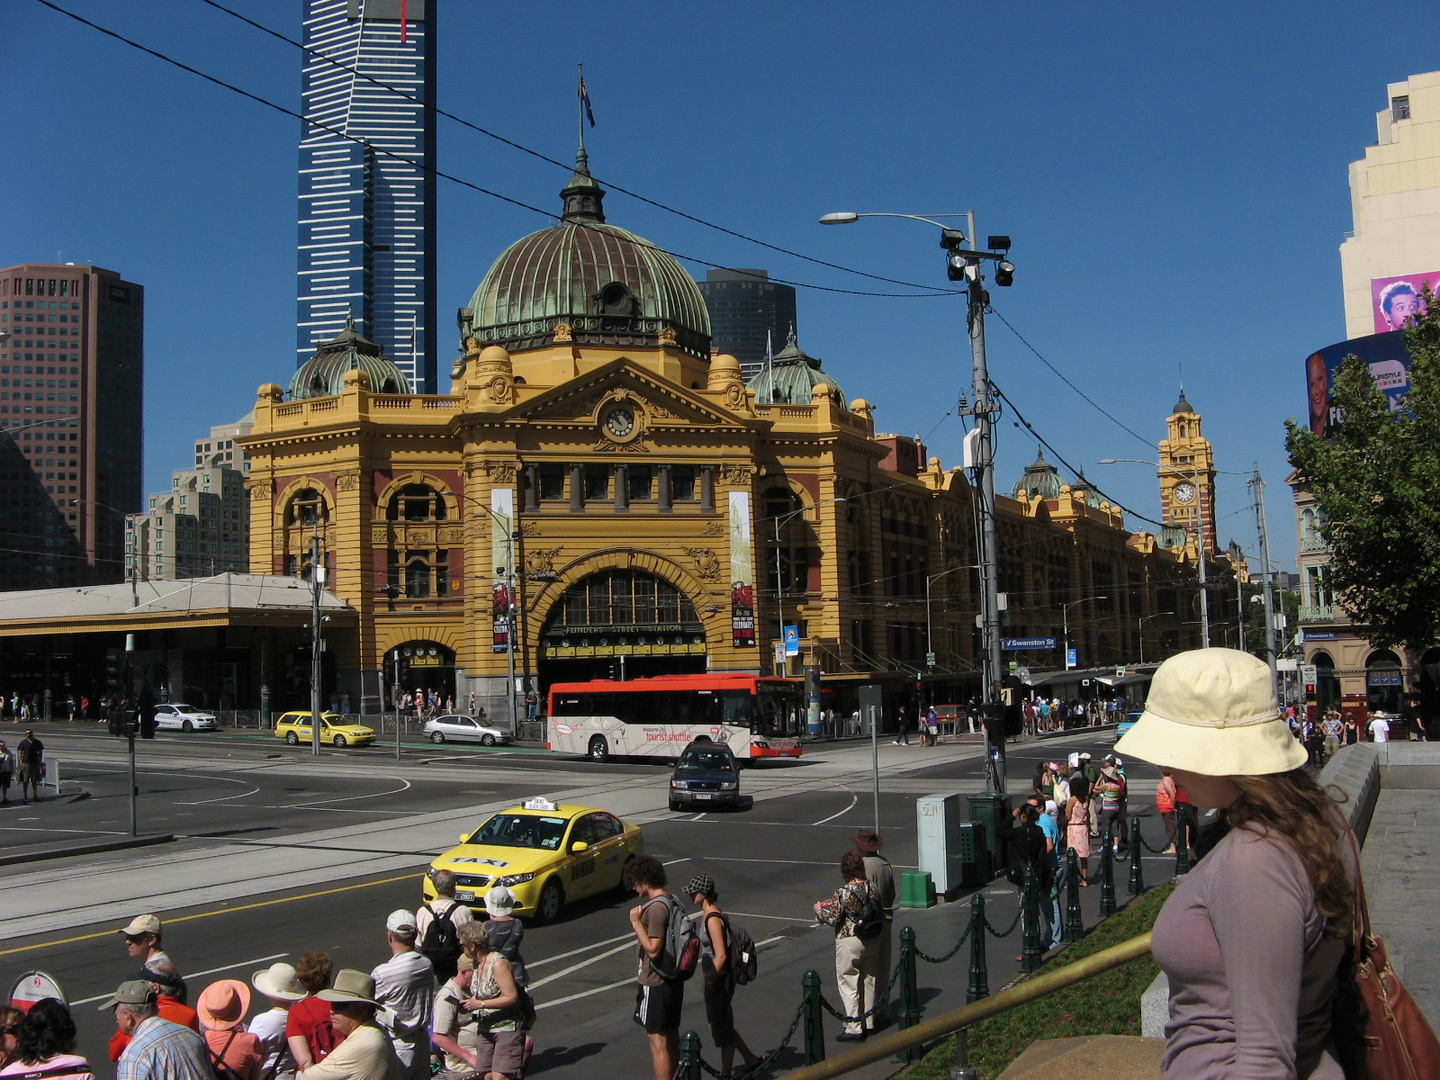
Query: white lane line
x=671, y=862
x=783, y=862
x=584, y=994
x=254, y=789
x=576, y=952
x=197, y=974
x=319, y=803
x=777, y=918
x=582, y=964
x=853, y=800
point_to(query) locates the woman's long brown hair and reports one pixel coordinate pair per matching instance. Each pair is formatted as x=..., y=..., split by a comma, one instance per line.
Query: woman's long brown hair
x=1293, y=806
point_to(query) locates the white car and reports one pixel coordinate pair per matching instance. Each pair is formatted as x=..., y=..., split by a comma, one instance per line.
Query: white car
x=457, y=727
x=183, y=718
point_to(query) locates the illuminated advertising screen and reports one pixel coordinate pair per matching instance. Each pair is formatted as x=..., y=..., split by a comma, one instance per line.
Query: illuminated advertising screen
x=1386, y=357
x=1395, y=299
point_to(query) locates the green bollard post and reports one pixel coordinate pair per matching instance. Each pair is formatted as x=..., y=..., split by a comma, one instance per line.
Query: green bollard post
x=909, y=991
x=1030, y=951
x=1182, y=839
x=814, y=1019
x=688, y=1068
x=1107, y=875
x=1074, y=917
x=979, y=986
x=1137, y=847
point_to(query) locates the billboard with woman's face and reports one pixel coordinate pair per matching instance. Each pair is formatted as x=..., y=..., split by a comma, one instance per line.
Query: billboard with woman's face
x=1396, y=299
x=1384, y=354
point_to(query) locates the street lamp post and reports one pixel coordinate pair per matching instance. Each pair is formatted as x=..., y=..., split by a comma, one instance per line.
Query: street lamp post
x=929, y=626
x=780, y=519
x=964, y=264
x=317, y=576
x=508, y=573
x=1140, y=629
x=1065, y=620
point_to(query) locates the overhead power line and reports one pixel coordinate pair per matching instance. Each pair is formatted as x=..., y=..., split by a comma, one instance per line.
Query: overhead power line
x=258, y=99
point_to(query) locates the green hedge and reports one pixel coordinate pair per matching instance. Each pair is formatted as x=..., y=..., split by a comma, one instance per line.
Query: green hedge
x=1108, y=1004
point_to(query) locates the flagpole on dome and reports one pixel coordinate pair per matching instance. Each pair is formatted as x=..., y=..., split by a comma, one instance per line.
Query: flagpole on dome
x=583, y=109
x=770, y=364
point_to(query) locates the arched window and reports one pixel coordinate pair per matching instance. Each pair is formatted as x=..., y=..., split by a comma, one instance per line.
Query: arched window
x=307, y=507
x=1384, y=681
x=417, y=577
x=622, y=599
x=416, y=502
x=787, y=563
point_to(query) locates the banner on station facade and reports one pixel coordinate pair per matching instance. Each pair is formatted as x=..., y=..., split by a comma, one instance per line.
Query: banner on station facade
x=742, y=572
x=502, y=528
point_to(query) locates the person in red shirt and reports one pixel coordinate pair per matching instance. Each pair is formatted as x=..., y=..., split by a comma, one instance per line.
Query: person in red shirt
x=168, y=988
x=308, y=1028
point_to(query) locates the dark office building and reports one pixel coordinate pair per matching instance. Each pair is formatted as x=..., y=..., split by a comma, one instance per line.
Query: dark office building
x=71, y=371
x=745, y=306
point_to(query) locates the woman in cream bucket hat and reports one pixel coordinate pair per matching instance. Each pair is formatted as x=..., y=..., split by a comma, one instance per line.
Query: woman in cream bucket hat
x=1253, y=938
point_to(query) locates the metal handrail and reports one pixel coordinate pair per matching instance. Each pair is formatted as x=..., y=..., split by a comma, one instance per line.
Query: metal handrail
x=1039, y=986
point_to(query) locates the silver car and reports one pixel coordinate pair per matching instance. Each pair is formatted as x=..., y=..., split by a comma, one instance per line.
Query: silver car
x=457, y=727
x=183, y=718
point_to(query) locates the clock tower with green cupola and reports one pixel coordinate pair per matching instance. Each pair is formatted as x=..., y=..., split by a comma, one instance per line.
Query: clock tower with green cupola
x=1187, y=476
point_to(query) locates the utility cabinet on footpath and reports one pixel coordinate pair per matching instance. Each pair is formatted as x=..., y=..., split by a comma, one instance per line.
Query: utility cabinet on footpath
x=937, y=832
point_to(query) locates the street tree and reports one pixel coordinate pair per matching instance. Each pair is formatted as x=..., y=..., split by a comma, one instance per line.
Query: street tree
x=1376, y=478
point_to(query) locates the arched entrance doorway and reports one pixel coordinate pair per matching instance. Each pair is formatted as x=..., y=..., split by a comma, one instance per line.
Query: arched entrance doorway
x=620, y=624
x=424, y=666
x=1430, y=692
x=1327, y=685
x=1384, y=682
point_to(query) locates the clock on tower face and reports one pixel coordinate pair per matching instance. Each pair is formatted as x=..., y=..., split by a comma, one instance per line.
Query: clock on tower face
x=619, y=422
x=1185, y=493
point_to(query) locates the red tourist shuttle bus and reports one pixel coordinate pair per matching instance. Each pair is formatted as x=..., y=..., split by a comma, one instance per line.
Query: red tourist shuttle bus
x=756, y=716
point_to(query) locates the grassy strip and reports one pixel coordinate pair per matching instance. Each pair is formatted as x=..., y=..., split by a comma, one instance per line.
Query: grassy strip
x=1108, y=1004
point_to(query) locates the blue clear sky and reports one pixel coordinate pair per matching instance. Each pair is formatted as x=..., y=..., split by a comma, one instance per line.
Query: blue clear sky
x=1173, y=176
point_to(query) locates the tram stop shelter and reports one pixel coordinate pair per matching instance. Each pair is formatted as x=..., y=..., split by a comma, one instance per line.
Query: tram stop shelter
x=229, y=641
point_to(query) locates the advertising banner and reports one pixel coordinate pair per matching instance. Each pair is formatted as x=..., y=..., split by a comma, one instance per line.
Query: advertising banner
x=502, y=525
x=1389, y=363
x=1395, y=299
x=742, y=572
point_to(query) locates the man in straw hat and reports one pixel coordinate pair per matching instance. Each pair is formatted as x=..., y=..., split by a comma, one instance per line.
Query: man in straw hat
x=281, y=984
x=881, y=874
x=1253, y=938
x=234, y=1052
x=365, y=1053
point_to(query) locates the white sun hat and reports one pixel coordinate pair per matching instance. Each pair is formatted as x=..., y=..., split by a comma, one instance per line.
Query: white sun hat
x=1213, y=712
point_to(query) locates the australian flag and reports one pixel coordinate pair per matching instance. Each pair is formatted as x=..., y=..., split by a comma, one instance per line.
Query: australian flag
x=585, y=100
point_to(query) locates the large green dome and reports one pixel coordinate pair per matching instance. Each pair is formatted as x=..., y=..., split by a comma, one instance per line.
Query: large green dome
x=323, y=375
x=609, y=286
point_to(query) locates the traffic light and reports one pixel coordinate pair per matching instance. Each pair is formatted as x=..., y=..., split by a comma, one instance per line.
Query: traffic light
x=114, y=662
x=145, y=714
x=116, y=718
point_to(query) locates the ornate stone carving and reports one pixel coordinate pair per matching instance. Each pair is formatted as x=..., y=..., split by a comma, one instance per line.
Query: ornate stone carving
x=734, y=395
x=347, y=481
x=260, y=490
x=707, y=566
x=501, y=390
x=737, y=475
x=415, y=538
x=541, y=560
x=605, y=445
x=659, y=412
x=715, y=528
x=667, y=337
x=530, y=528
x=472, y=346
x=452, y=536
x=500, y=472
x=562, y=332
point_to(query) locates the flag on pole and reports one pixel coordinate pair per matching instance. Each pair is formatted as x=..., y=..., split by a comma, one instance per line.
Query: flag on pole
x=402, y=22
x=584, y=94
x=770, y=363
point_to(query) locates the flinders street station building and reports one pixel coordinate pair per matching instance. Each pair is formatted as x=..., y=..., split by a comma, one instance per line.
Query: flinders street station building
x=603, y=493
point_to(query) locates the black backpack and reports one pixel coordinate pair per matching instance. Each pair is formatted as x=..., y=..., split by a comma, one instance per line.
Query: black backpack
x=742, y=962
x=870, y=923
x=441, y=945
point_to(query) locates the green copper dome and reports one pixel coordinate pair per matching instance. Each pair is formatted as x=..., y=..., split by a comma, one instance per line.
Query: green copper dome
x=789, y=377
x=1041, y=480
x=323, y=375
x=608, y=286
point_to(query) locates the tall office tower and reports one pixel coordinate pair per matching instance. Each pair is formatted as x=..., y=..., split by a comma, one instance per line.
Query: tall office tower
x=745, y=306
x=71, y=372
x=1395, y=203
x=367, y=180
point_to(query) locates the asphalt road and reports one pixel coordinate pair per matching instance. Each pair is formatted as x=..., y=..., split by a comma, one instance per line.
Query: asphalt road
x=771, y=861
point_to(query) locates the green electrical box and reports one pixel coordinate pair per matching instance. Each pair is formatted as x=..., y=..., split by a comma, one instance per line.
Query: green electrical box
x=917, y=890
x=992, y=810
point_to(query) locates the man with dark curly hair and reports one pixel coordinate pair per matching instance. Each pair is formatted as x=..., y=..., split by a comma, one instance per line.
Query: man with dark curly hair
x=658, y=1000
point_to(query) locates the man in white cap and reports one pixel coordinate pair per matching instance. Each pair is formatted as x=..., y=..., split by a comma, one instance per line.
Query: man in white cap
x=364, y=1053
x=142, y=940
x=405, y=988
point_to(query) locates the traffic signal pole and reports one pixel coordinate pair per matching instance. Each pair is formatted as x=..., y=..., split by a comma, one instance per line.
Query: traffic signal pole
x=131, y=729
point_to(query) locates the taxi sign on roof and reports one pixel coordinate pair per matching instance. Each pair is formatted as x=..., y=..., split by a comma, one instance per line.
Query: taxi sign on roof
x=540, y=803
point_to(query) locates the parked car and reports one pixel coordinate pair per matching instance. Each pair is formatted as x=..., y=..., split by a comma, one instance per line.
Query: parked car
x=705, y=775
x=294, y=728
x=183, y=718
x=457, y=727
x=1126, y=724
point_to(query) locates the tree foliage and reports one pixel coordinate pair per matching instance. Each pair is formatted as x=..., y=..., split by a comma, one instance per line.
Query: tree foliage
x=1376, y=478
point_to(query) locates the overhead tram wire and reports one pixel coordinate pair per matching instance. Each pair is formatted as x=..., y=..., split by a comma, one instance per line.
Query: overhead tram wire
x=568, y=167
x=448, y=176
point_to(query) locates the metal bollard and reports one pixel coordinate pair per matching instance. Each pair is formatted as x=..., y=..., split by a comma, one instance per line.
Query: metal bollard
x=1030, y=951
x=962, y=1069
x=1074, y=917
x=814, y=1019
x=979, y=985
x=1137, y=846
x=1182, y=839
x=688, y=1067
x=1107, y=875
x=909, y=992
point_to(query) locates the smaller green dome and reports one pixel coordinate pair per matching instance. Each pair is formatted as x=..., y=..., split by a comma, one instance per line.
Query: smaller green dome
x=323, y=375
x=1083, y=490
x=789, y=378
x=1041, y=480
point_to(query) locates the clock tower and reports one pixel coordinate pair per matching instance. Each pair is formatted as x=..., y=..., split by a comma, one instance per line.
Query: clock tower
x=1187, y=475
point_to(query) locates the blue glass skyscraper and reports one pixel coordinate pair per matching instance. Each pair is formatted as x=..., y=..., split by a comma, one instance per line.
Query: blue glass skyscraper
x=367, y=208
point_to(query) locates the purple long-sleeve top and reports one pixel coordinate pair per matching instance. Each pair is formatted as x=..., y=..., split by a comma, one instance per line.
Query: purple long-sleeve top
x=1252, y=974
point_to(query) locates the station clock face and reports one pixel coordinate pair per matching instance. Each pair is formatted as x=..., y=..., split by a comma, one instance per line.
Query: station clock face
x=620, y=422
x=1185, y=493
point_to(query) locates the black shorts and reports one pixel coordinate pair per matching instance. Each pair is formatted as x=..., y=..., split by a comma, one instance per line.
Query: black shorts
x=657, y=1008
x=719, y=1013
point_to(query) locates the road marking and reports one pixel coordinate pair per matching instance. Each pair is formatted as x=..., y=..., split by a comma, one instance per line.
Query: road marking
x=582, y=964
x=853, y=800
x=254, y=788
x=218, y=911
x=577, y=952
x=783, y=862
x=670, y=862
x=197, y=974
x=752, y=915
x=584, y=994
x=405, y=786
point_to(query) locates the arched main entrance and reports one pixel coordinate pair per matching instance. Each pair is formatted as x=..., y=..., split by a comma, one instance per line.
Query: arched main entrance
x=1384, y=682
x=426, y=666
x=1327, y=685
x=620, y=623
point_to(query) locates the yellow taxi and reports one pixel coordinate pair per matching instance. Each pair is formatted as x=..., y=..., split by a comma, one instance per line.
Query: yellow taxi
x=294, y=727
x=548, y=854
